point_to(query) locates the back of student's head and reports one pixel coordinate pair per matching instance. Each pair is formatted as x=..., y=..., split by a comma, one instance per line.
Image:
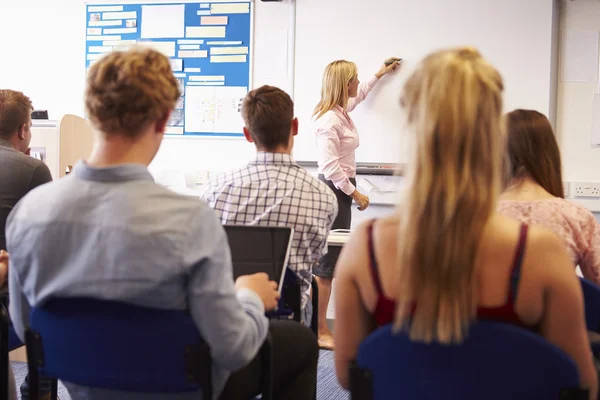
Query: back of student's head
x=453, y=105
x=128, y=90
x=15, y=111
x=268, y=113
x=533, y=151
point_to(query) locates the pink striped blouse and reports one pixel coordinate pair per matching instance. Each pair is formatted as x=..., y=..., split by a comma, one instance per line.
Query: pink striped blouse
x=337, y=140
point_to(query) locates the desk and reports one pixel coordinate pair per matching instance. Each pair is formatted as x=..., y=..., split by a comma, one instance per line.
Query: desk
x=336, y=238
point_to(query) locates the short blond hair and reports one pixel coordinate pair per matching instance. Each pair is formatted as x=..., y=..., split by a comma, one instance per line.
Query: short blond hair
x=127, y=90
x=15, y=110
x=334, y=89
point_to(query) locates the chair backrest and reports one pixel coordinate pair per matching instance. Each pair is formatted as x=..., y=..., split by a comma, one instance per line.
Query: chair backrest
x=113, y=345
x=259, y=249
x=591, y=298
x=496, y=361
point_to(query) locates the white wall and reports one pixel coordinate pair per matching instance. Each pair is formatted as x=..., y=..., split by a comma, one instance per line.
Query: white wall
x=581, y=162
x=515, y=35
x=43, y=56
x=574, y=116
x=272, y=29
x=42, y=53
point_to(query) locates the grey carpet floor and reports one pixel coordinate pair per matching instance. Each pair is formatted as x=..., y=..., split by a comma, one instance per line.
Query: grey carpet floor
x=327, y=385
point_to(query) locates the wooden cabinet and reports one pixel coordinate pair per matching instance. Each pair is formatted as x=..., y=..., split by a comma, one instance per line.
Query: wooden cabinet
x=64, y=143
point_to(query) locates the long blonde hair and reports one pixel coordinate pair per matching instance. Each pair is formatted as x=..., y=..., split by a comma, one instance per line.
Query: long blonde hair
x=453, y=103
x=334, y=89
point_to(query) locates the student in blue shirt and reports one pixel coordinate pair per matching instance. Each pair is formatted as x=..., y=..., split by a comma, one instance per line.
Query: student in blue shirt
x=108, y=231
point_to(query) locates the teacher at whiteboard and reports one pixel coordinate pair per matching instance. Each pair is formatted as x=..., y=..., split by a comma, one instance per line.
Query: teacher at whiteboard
x=337, y=140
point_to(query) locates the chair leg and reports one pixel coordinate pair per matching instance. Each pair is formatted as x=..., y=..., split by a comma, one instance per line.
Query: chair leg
x=33, y=375
x=266, y=363
x=314, y=322
x=54, y=390
x=4, y=360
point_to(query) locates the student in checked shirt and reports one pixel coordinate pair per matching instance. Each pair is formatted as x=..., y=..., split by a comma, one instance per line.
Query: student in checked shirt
x=337, y=140
x=273, y=190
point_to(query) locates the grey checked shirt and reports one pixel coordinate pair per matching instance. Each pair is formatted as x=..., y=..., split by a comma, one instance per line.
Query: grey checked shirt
x=112, y=233
x=272, y=190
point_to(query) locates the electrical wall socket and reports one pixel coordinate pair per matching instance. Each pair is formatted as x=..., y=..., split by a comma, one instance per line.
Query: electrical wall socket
x=586, y=189
x=202, y=176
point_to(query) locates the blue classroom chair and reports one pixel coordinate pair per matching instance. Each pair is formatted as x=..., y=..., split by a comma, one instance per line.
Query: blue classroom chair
x=591, y=298
x=496, y=361
x=118, y=346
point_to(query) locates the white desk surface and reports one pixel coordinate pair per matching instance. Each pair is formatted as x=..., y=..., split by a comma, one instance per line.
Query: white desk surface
x=338, y=237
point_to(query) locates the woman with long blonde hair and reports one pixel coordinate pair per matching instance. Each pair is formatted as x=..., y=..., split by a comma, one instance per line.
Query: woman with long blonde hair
x=447, y=257
x=337, y=140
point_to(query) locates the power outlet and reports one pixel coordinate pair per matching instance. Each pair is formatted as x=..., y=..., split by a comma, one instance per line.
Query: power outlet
x=586, y=189
x=202, y=176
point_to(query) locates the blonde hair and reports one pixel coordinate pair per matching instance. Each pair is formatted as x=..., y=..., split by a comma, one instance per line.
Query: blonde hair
x=454, y=107
x=126, y=90
x=15, y=111
x=334, y=89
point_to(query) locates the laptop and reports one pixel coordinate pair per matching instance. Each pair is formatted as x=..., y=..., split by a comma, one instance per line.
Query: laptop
x=260, y=249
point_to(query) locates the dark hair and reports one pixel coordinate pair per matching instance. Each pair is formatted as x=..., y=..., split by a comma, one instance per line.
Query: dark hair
x=268, y=113
x=15, y=111
x=533, y=150
x=126, y=90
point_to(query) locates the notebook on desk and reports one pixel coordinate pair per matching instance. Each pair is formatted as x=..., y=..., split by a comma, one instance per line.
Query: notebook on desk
x=260, y=249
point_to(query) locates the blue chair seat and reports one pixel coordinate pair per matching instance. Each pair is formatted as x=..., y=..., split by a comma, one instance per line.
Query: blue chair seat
x=496, y=361
x=118, y=346
x=13, y=340
x=591, y=299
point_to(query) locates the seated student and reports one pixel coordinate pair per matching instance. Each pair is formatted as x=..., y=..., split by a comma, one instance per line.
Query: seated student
x=274, y=190
x=108, y=231
x=446, y=256
x=18, y=175
x=12, y=393
x=534, y=194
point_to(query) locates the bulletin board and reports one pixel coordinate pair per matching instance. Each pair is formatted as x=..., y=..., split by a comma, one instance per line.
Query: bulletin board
x=208, y=43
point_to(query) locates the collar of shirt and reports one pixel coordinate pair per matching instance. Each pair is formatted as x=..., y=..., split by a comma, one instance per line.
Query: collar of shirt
x=6, y=143
x=264, y=158
x=117, y=173
x=341, y=111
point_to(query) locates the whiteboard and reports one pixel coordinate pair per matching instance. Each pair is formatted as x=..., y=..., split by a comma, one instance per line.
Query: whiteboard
x=515, y=35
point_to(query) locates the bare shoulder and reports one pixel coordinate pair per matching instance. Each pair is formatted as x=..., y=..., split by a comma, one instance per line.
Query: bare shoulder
x=546, y=254
x=538, y=238
x=544, y=242
x=354, y=253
